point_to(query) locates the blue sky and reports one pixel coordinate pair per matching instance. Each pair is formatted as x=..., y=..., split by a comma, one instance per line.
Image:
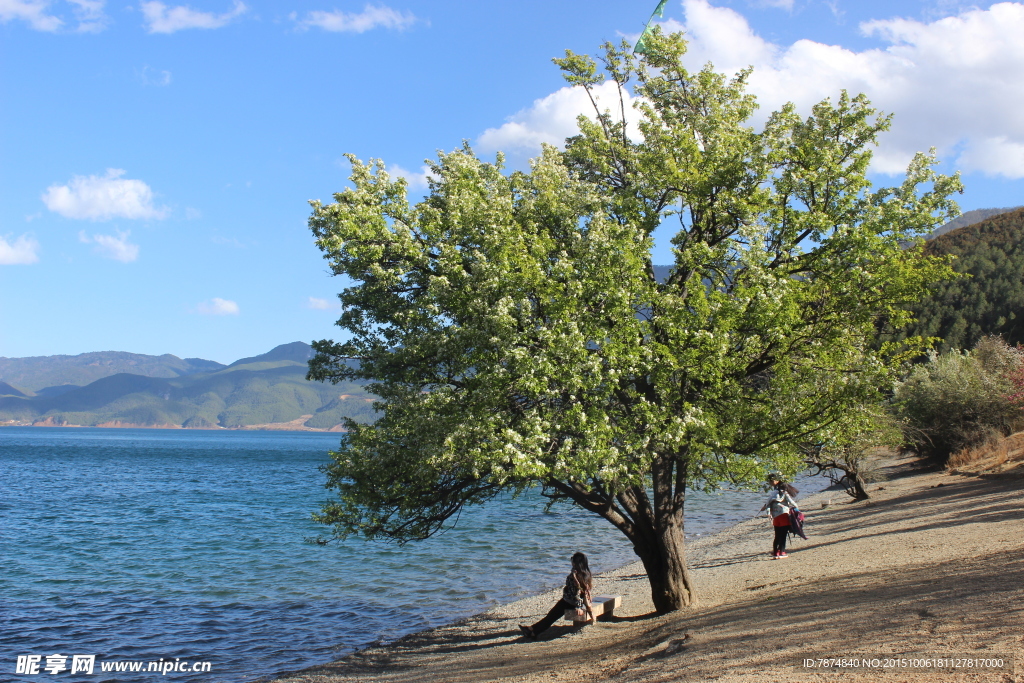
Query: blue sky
x=156, y=158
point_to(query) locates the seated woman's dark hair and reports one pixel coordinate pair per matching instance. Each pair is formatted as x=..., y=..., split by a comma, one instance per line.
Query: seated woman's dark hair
x=581, y=569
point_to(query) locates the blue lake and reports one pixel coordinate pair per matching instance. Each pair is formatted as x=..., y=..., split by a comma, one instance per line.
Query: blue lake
x=168, y=544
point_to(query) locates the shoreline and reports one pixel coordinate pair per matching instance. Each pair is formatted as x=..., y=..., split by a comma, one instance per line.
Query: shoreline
x=117, y=424
x=835, y=594
x=628, y=580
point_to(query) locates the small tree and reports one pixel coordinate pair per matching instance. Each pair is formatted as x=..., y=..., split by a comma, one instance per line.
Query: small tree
x=848, y=460
x=513, y=326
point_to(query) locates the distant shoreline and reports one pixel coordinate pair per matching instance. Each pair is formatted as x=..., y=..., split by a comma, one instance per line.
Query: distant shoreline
x=114, y=389
x=293, y=426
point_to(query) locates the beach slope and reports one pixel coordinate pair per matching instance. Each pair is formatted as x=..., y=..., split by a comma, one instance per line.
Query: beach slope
x=931, y=567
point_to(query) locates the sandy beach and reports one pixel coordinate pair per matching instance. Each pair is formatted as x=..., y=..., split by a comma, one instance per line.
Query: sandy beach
x=931, y=567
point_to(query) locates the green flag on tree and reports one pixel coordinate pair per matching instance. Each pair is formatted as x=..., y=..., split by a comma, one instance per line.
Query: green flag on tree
x=659, y=12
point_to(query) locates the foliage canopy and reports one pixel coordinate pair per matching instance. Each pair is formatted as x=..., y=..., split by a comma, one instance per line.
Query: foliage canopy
x=516, y=333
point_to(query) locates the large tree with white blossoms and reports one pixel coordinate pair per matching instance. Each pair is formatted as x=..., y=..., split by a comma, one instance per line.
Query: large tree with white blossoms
x=516, y=333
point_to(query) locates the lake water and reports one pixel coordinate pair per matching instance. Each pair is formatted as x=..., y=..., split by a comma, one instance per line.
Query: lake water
x=173, y=545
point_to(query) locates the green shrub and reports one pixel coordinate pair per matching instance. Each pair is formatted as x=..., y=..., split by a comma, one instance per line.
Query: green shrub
x=959, y=399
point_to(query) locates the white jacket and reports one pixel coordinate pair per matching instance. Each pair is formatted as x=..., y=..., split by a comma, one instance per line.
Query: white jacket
x=780, y=503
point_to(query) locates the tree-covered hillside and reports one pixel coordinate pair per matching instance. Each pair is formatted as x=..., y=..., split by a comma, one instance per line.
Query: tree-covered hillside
x=970, y=218
x=267, y=389
x=990, y=298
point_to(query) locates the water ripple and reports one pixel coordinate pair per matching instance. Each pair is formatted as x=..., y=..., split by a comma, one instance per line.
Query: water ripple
x=150, y=544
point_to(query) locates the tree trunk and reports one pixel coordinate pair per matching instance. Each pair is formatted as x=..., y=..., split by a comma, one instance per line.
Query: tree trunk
x=859, y=487
x=664, y=558
x=655, y=527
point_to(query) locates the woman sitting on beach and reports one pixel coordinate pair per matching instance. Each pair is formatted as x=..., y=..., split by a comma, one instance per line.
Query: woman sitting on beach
x=575, y=595
x=779, y=506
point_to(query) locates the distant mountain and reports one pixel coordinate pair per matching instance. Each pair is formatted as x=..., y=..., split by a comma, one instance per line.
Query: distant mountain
x=300, y=352
x=269, y=391
x=7, y=390
x=57, y=390
x=991, y=299
x=970, y=218
x=38, y=372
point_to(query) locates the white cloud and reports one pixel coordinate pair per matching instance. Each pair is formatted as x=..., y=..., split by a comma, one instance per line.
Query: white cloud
x=416, y=181
x=995, y=156
x=953, y=83
x=227, y=241
x=551, y=119
x=160, y=18
x=117, y=248
x=322, y=304
x=89, y=14
x=100, y=198
x=31, y=11
x=344, y=22
x=158, y=77
x=218, y=306
x=21, y=251
x=778, y=4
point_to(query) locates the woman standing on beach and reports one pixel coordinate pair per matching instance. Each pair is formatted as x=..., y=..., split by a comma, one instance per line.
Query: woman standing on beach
x=575, y=595
x=779, y=506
